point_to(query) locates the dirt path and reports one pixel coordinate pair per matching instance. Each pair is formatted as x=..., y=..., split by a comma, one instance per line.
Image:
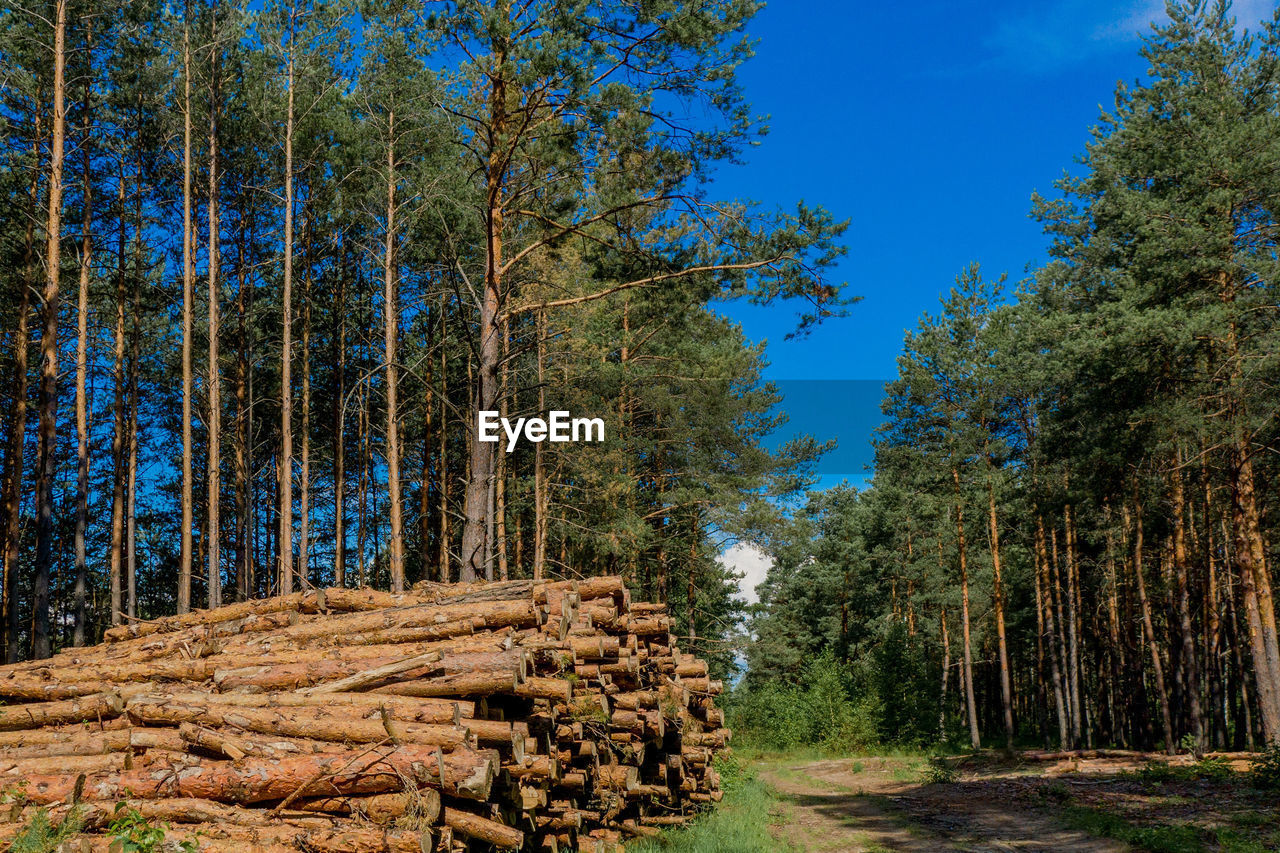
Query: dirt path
x=876, y=805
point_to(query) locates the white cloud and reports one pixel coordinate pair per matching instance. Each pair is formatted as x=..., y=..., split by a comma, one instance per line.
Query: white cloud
x=1063, y=32
x=752, y=564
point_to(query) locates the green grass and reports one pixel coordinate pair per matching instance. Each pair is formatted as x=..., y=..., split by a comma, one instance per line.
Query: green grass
x=739, y=824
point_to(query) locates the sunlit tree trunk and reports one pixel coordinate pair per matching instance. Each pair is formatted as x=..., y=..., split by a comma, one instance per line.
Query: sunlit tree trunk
x=285, y=475
x=214, y=389
x=46, y=465
x=81, y=593
x=391, y=311
x=188, y=284
x=971, y=704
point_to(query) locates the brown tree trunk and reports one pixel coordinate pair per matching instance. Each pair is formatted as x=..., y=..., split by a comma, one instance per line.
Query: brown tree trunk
x=540, y=472
x=339, y=436
x=131, y=501
x=304, y=472
x=188, y=284
x=241, y=452
x=16, y=447
x=1055, y=669
x=214, y=390
x=1006, y=687
x=946, y=669
x=82, y=370
x=1148, y=629
x=971, y=704
x=391, y=311
x=46, y=465
x=285, y=475
x=1073, y=628
x=1180, y=561
x=480, y=469
x=118, y=439
x=442, y=472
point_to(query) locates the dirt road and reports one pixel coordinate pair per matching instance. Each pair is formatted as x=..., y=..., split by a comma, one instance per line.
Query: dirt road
x=874, y=805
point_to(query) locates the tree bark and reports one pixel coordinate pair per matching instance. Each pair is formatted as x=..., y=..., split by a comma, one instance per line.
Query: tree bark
x=971, y=704
x=81, y=593
x=304, y=473
x=46, y=465
x=1073, y=628
x=339, y=435
x=188, y=284
x=214, y=390
x=1148, y=628
x=1006, y=687
x=1180, y=571
x=285, y=476
x=15, y=450
x=480, y=469
x=1055, y=669
x=391, y=311
x=118, y=437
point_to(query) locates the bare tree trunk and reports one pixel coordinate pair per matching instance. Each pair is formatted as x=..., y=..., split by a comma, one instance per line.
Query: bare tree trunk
x=1006, y=687
x=1116, y=646
x=240, y=454
x=188, y=284
x=1184, y=605
x=442, y=471
x=480, y=470
x=118, y=438
x=1213, y=616
x=131, y=543
x=286, y=346
x=304, y=493
x=46, y=466
x=339, y=436
x=946, y=669
x=1148, y=628
x=1055, y=669
x=214, y=390
x=500, y=479
x=1255, y=585
x=1073, y=628
x=82, y=370
x=540, y=472
x=971, y=704
x=15, y=451
x=391, y=311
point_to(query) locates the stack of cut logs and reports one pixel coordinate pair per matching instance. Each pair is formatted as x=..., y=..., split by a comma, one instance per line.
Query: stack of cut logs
x=510, y=716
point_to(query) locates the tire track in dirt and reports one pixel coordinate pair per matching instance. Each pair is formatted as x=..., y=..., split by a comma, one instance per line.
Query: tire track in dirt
x=863, y=806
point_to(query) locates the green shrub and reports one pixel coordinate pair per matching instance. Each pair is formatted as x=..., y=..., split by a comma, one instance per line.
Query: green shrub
x=1266, y=770
x=939, y=772
x=42, y=835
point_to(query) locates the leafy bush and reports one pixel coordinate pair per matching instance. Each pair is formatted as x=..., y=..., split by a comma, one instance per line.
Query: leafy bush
x=939, y=772
x=822, y=711
x=135, y=834
x=1266, y=770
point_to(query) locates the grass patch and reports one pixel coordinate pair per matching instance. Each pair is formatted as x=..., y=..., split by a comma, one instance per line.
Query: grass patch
x=739, y=824
x=1157, y=839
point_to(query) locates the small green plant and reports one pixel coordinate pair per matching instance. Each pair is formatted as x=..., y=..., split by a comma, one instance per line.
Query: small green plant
x=939, y=772
x=136, y=834
x=1266, y=770
x=1053, y=791
x=42, y=835
x=1155, y=773
x=1212, y=770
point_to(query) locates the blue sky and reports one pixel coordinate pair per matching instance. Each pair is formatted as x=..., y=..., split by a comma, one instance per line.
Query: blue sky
x=928, y=125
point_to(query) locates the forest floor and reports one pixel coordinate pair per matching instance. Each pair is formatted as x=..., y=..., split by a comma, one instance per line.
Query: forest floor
x=877, y=804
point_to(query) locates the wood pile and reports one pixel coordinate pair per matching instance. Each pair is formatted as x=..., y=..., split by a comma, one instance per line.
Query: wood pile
x=509, y=716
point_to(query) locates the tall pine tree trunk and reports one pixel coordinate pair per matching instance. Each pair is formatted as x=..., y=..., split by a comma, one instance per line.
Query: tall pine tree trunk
x=1149, y=631
x=1180, y=570
x=81, y=593
x=118, y=438
x=188, y=284
x=339, y=434
x=391, y=310
x=480, y=469
x=214, y=390
x=46, y=465
x=971, y=704
x=15, y=449
x=540, y=474
x=1055, y=668
x=240, y=452
x=1006, y=687
x=285, y=474
x=1073, y=627
x=304, y=473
